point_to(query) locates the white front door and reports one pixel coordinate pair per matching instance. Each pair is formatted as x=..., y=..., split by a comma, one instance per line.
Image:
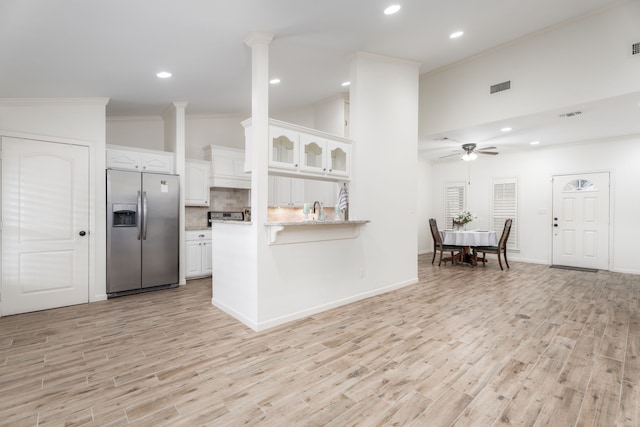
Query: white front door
x=45, y=214
x=581, y=220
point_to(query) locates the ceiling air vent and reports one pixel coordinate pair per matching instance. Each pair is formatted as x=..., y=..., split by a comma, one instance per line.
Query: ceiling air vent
x=635, y=49
x=500, y=87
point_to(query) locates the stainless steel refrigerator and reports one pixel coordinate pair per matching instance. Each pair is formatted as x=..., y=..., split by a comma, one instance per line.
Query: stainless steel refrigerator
x=142, y=231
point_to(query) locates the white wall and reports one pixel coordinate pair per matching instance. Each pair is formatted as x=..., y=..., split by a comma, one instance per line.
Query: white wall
x=139, y=132
x=384, y=119
x=76, y=120
x=329, y=115
x=534, y=169
x=586, y=60
x=201, y=130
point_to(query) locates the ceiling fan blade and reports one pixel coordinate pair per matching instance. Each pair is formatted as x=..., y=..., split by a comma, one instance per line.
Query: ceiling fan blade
x=487, y=148
x=492, y=153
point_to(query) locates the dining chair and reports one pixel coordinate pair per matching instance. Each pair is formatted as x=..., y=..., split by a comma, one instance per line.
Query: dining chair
x=438, y=245
x=499, y=250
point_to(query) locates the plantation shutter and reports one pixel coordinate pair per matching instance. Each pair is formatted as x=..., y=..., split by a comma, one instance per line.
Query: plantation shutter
x=505, y=205
x=454, y=203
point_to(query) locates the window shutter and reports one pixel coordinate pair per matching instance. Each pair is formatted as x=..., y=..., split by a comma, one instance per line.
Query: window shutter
x=504, y=206
x=454, y=203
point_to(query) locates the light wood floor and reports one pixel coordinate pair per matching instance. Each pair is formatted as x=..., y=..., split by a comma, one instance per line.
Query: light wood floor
x=528, y=346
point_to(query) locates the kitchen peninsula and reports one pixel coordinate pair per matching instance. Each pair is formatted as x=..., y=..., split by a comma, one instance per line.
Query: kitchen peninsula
x=270, y=271
x=280, y=267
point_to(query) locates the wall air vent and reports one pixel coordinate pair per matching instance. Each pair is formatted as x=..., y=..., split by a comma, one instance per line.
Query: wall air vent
x=500, y=87
x=570, y=114
x=635, y=49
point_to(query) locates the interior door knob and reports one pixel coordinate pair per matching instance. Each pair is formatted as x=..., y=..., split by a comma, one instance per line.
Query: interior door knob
x=82, y=233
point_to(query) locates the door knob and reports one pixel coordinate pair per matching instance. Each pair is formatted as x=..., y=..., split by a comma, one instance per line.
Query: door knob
x=82, y=233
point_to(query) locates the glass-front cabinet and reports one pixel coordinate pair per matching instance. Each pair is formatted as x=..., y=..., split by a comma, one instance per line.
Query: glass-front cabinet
x=314, y=154
x=338, y=158
x=300, y=152
x=283, y=148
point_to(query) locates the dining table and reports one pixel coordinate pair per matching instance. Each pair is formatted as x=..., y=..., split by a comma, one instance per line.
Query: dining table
x=468, y=239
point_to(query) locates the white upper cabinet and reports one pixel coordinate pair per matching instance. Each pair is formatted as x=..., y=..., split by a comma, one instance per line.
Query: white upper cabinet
x=139, y=160
x=196, y=183
x=313, y=154
x=283, y=148
x=296, y=151
x=338, y=159
x=227, y=167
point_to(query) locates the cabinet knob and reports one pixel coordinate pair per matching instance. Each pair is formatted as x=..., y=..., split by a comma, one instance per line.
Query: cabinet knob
x=296, y=165
x=200, y=235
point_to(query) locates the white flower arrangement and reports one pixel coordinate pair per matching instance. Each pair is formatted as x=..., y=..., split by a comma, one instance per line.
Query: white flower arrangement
x=466, y=216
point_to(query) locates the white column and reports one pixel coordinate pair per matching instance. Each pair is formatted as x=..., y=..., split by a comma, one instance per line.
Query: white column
x=259, y=44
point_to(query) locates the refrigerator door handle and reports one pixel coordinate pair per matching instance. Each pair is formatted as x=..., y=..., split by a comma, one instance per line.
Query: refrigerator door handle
x=144, y=215
x=139, y=225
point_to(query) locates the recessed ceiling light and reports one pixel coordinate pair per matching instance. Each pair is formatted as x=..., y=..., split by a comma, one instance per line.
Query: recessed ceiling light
x=274, y=81
x=506, y=129
x=456, y=34
x=534, y=142
x=346, y=83
x=392, y=9
x=163, y=75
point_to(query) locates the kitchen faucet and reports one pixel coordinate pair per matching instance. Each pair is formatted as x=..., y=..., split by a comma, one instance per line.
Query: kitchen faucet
x=314, y=206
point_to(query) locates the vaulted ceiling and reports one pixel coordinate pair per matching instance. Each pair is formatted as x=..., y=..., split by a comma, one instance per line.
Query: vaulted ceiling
x=114, y=48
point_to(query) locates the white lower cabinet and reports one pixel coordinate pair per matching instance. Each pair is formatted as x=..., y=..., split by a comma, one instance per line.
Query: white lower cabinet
x=198, y=254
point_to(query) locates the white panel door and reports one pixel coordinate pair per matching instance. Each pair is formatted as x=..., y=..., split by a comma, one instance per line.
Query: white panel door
x=45, y=211
x=194, y=259
x=581, y=220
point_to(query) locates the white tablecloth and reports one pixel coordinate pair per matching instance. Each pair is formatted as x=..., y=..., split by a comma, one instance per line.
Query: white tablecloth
x=469, y=238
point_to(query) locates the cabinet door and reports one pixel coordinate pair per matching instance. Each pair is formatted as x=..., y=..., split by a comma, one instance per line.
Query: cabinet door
x=160, y=162
x=196, y=183
x=338, y=158
x=282, y=191
x=313, y=156
x=193, y=259
x=122, y=159
x=207, y=261
x=297, y=192
x=283, y=148
x=322, y=191
x=272, y=196
x=288, y=192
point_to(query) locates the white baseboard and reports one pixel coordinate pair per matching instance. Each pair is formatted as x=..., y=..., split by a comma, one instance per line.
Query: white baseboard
x=236, y=314
x=261, y=326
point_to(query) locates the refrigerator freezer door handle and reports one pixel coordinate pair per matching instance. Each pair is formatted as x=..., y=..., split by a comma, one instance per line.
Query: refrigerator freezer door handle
x=138, y=222
x=144, y=215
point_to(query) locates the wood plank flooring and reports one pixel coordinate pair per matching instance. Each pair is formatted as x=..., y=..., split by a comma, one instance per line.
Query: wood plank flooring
x=465, y=347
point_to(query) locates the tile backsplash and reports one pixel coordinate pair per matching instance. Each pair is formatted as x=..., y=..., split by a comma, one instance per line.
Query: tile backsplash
x=222, y=199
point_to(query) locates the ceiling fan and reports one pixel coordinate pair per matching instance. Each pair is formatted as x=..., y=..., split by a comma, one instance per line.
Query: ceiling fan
x=470, y=152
